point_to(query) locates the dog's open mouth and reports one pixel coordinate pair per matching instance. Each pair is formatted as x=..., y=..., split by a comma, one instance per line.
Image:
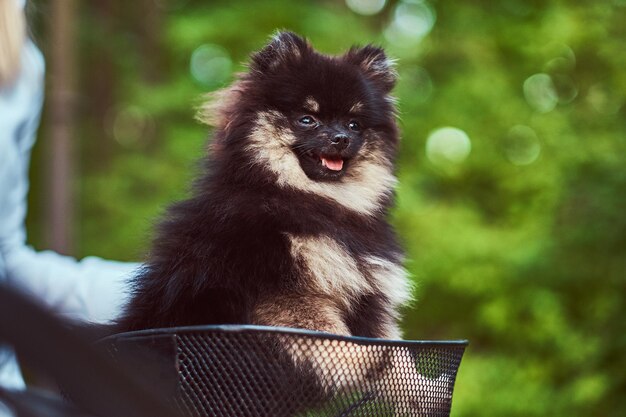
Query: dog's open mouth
x=332, y=164
x=326, y=165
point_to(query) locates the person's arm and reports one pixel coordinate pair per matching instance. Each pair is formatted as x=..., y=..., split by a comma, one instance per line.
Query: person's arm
x=91, y=290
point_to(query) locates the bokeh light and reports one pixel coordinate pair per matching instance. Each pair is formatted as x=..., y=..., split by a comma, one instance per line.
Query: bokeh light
x=412, y=21
x=521, y=145
x=604, y=100
x=564, y=58
x=448, y=145
x=560, y=67
x=210, y=65
x=366, y=7
x=131, y=126
x=540, y=93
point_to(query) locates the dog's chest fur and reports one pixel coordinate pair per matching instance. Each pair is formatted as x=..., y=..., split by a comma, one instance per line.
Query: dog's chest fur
x=331, y=268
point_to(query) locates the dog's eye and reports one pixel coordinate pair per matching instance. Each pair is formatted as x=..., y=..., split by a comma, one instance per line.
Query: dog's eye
x=354, y=126
x=307, y=121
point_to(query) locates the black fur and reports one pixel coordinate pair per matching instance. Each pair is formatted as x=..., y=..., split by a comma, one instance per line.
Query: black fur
x=220, y=252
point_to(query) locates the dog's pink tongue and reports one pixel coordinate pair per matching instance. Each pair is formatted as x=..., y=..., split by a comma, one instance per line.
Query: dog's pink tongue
x=334, y=164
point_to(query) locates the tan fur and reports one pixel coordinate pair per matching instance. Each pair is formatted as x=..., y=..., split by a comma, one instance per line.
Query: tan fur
x=313, y=312
x=342, y=365
x=361, y=189
x=356, y=107
x=283, y=50
x=384, y=69
x=390, y=279
x=215, y=109
x=338, y=364
x=286, y=49
x=333, y=271
x=335, y=280
x=331, y=268
x=392, y=100
x=311, y=105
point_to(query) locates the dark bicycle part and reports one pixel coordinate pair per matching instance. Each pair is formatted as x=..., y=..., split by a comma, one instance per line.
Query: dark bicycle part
x=38, y=403
x=94, y=382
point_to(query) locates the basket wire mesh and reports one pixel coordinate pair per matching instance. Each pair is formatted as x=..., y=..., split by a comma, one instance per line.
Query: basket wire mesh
x=257, y=371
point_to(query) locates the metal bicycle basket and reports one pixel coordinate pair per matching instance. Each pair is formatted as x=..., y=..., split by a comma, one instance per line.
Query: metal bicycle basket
x=257, y=371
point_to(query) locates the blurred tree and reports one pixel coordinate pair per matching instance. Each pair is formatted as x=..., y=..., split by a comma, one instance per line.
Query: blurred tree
x=62, y=119
x=102, y=56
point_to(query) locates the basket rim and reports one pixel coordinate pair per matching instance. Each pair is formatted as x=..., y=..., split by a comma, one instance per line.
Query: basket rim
x=250, y=328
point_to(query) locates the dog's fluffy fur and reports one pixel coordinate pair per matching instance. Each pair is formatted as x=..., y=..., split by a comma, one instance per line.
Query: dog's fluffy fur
x=261, y=240
x=288, y=224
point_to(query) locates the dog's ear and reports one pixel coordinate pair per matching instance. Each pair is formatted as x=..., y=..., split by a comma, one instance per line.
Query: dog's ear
x=284, y=48
x=375, y=64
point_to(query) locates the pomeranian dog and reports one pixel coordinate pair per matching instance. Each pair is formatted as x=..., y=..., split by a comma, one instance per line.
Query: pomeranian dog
x=287, y=225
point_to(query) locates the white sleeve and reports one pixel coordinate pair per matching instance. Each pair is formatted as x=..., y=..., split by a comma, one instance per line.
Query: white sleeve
x=92, y=289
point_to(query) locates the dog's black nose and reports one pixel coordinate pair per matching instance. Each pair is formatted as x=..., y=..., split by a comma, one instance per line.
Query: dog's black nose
x=340, y=141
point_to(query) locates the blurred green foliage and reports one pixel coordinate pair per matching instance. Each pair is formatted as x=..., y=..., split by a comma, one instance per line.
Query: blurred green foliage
x=519, y=247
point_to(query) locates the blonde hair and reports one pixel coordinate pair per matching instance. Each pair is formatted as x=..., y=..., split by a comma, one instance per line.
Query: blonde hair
x=12, y=38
